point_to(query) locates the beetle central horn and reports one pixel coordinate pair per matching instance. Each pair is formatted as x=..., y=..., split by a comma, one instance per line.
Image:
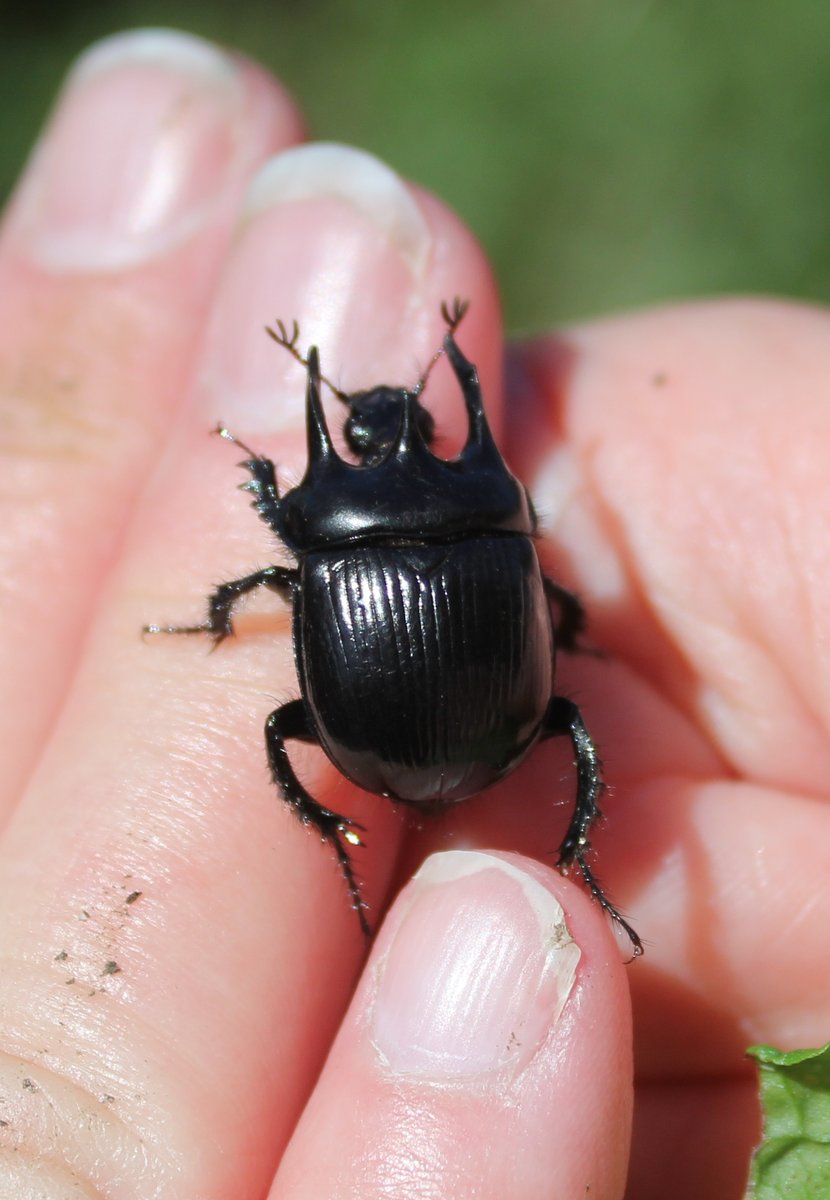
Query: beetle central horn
x=409, y=437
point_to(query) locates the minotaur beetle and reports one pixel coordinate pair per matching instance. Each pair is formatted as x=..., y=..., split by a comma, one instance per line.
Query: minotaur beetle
x=422, y=624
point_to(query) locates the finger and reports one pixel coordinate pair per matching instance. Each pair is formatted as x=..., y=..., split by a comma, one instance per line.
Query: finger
x=179, y=922
x=703, y=542
x=107, y=260
x=684, y=501
x=486, y=1052
x=693, y=1138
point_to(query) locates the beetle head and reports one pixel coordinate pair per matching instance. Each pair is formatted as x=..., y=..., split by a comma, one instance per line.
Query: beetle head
x=400, y=490
x=374, y=420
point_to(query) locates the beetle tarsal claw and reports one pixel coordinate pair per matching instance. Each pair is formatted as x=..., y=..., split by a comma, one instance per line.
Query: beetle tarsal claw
x=454, y=314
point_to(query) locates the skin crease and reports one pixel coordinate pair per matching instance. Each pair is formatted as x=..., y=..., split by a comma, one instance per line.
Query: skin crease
x=677, y=459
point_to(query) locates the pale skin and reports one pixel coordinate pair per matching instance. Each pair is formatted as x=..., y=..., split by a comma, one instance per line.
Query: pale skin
x=178, y=952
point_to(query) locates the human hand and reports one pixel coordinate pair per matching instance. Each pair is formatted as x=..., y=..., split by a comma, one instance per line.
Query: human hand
x=178, y=952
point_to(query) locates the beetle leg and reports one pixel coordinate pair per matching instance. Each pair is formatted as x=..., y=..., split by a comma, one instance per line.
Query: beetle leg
x=222, y=601
x=289, y=343
x=263, y=487
x=263, y=481
x=291, y=721
x=569, y=621
x=563, y=717
x=452, y=316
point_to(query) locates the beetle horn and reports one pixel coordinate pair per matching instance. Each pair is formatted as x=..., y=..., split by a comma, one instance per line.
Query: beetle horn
x=409, y=434
x=320, y=447
x=478, y=428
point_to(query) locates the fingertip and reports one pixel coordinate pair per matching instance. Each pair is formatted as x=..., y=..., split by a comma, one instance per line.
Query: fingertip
x=199, y=120
x=336, y=244
x=489, y=1038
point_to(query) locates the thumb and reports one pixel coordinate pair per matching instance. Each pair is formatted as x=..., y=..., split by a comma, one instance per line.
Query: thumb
x=487, y=1051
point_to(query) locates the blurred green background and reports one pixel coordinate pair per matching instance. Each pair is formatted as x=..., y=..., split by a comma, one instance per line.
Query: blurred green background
x=608, y=153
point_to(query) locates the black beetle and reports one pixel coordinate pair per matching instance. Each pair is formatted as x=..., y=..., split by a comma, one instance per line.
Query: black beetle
x=422, y=624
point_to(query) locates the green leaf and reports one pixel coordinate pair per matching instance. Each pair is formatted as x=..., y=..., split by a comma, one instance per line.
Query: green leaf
x=793, y=1160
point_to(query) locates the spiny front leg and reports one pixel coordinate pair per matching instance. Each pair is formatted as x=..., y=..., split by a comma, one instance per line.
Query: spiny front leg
x=263, y=482
x=222, y=601
x=288, y=722
x=563, y=717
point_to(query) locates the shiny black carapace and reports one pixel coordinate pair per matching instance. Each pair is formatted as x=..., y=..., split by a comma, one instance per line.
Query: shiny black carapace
x=423, y=629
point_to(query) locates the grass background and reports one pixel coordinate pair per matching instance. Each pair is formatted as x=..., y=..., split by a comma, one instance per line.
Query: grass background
x=608, y=153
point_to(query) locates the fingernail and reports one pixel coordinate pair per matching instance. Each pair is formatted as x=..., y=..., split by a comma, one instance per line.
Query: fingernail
x=147, y=133
x=478, y=971
x=353, y=177
x=333, y=239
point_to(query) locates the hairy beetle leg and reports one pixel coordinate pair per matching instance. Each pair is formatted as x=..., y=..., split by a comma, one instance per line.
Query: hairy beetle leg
x=571, y=615
x=225, y=597
x=288, y=722
x=563, y=717
x=571, y=622
x=263, y=482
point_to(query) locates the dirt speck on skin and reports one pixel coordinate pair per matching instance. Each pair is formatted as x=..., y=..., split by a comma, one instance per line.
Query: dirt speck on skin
x=133, y=896
x=111, y=968
x=29, y=1085
x=61, y=956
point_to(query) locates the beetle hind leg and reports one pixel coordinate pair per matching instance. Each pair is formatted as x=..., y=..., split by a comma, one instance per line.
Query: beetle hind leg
x=563, y=717
x=288, y=722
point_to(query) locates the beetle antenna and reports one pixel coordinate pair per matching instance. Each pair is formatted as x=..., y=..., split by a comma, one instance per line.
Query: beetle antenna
x=453, y=315
x=281, y=337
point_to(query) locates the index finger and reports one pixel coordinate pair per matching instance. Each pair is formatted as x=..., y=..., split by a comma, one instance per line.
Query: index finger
x=107, y=260
x=173, y=920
